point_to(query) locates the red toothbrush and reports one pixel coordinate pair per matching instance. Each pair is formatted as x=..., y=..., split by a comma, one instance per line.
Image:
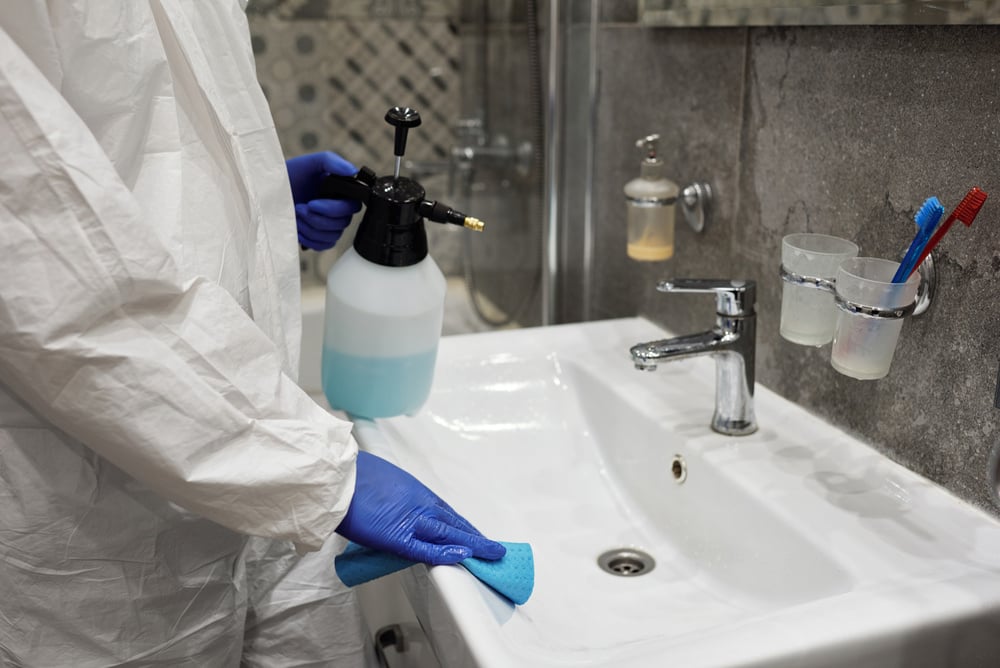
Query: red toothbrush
x=966, y=212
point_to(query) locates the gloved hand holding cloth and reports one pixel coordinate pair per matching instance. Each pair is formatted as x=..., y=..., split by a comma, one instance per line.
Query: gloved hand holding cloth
x=394, y=512
x=395, y=521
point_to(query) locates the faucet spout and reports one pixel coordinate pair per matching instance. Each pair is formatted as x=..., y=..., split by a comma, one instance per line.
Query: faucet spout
x=732, y=342
x=647, y=355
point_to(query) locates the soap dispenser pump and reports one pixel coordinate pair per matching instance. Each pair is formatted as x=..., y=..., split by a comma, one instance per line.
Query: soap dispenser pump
x=651, y=201
x=385, y=294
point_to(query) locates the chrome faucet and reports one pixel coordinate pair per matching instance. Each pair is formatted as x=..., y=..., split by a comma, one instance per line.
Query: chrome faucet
x=731, y=342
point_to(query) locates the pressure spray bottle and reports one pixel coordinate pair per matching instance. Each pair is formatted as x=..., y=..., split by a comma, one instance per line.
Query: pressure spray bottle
x=385, y=295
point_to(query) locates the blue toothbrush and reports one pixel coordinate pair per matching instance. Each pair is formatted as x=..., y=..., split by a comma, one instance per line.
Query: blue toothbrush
x=927, y=219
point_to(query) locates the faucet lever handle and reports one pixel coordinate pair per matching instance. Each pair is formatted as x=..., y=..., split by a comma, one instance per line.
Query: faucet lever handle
x=732, y=297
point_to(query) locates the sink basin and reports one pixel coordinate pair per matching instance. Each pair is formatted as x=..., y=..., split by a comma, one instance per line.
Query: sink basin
x=798, y=545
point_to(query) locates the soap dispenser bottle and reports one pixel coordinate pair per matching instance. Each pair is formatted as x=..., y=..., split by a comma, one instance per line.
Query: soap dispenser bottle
x=385, y=294
x=651, y=201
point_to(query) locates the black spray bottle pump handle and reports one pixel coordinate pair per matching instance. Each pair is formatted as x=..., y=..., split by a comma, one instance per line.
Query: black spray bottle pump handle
x=403, y=118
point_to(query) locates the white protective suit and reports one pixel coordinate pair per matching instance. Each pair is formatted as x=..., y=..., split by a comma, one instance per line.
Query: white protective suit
x=149, y=329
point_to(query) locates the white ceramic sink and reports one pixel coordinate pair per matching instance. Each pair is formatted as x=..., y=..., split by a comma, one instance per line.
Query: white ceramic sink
x=796, y=546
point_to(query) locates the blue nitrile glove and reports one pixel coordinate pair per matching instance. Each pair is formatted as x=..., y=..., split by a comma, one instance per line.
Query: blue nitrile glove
x=320, y=221
x=394, y=512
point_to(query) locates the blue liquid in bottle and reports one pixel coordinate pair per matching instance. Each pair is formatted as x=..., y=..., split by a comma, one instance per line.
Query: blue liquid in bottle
x=373, y=387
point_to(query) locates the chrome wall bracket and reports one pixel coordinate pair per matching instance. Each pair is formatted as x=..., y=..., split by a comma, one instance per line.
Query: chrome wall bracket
x=925, y=292
x=825, y=284
x=871, y=311
x=928, y=283
x=696, y=203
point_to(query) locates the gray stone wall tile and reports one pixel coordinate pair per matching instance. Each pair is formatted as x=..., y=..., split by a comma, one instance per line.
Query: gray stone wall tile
x=841, y=130
x=685, y=86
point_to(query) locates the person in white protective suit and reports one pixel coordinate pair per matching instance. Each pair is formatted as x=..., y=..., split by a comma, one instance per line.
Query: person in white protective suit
x=159, y=467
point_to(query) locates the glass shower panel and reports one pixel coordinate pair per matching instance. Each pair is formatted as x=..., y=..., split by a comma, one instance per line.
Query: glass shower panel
x=499, y=158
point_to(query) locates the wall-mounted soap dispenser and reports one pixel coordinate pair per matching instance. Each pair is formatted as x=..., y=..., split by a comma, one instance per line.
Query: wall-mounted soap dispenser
x=385, y=295
x=651, y=200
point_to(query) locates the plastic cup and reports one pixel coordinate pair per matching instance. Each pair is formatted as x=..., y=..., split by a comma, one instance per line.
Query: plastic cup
x=863, y=346
x=808, y=314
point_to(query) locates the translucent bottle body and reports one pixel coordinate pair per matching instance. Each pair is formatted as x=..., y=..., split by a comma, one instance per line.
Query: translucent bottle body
x=382, y=330
x=651, y=204
x=650, y=231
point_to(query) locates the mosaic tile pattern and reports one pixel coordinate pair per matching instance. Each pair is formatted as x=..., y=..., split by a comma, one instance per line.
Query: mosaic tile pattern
x=368, y=9
x=329, y=82
x=330, y=70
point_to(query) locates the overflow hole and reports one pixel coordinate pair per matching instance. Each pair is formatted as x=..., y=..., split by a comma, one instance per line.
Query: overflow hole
x=679, y=468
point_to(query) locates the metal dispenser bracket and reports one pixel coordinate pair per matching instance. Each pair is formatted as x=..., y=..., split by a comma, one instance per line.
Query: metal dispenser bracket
x=695, y=203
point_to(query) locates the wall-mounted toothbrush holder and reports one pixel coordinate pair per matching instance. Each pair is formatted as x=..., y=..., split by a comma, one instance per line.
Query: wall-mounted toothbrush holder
x=859, y=308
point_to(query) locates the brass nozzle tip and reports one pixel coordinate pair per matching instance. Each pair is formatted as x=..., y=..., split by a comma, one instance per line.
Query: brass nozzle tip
x=474, y=224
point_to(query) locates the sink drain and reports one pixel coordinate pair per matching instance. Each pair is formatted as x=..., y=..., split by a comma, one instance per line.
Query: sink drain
x=626, y=562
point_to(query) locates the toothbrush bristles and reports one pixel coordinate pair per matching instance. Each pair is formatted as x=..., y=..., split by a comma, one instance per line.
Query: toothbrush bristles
x=966, y=212
x=929, y=213
x=969, y=207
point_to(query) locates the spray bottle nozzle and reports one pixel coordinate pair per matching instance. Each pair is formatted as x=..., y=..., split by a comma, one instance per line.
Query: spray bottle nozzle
x=442, y=213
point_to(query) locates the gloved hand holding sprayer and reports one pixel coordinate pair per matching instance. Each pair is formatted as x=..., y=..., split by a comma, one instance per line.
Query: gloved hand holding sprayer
x=390, y=510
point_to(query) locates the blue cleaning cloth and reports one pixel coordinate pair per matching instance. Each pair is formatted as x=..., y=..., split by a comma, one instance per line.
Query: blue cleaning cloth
x=513, y=576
